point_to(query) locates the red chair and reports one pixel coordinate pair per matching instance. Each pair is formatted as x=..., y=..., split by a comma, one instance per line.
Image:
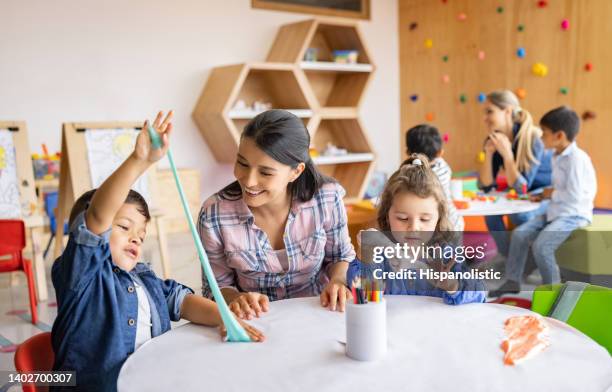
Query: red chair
x=35, y=354
x=12, y=242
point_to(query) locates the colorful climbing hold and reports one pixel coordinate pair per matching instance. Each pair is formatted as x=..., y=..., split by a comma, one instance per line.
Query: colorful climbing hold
x=445, y=58
x=564, y=90
x=500, y=10
x=428, y=43
x=542, y=3
x=588, y=115
x=565, y=24
x=429, y=117
x=462, y=16
x=463, y=98
x=521, y=93
x=445, y=138
x=539, y=69
x=520, y=52
x=588, y=67
x=481, y=55
x=482, y=97
x=520, y=28
x=413, y=26
x=480, y=158
x=445, y=78
x=414, y=97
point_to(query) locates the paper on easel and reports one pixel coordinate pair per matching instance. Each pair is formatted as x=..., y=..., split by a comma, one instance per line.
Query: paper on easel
x=10, y=204
x=106, y=151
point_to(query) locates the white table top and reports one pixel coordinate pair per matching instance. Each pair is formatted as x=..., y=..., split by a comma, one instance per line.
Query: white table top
x=432, y=346
x=502, y=206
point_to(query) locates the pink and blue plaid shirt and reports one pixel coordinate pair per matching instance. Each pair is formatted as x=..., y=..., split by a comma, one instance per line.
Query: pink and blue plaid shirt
x=316, y=236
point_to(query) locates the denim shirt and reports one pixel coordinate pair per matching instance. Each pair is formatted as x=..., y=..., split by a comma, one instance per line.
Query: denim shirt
x=469, y=290
x=539, y=173
x=95, y=328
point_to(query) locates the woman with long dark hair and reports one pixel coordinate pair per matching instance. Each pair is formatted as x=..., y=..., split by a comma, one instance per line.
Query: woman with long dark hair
x=280, y=230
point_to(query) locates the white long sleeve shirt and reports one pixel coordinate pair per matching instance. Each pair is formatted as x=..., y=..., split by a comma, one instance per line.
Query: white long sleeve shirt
x=574, y=183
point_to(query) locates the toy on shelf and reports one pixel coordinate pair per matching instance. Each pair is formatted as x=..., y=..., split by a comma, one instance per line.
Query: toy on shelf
x=346, y=56
x=334, y=151
x=312, y=54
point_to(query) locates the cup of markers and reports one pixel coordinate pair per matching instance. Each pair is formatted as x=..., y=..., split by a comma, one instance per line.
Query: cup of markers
x=366, y=322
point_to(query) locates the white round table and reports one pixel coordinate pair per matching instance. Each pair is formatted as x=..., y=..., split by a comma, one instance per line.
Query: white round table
x=502, y=206
x=432, y=347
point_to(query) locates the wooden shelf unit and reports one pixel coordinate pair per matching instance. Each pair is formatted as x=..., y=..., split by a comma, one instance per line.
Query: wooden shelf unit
x=324, y=94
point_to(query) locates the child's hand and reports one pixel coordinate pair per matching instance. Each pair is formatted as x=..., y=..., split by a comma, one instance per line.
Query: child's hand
x=536, y=198
x=247, y=305
x=547, y=193
x=255, y=334
x=334, y=296
x=450, y=285
x=143, y=151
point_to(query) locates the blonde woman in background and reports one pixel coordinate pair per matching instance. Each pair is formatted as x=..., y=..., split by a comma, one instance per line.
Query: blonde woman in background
x=512, y=143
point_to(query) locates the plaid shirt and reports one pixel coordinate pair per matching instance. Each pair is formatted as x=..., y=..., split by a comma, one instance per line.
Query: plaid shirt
x=316, y=236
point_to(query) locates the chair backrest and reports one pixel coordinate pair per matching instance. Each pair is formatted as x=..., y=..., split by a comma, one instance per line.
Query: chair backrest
x=35, y=354
x=50, y=199
x=591, y=315
x=12, y=242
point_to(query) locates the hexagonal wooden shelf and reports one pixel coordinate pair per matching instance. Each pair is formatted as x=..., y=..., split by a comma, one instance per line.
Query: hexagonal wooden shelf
x=325, y=94
x=334, y=84
x=279, y=84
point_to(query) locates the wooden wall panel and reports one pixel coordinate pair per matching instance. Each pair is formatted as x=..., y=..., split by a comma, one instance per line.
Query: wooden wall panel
x=589, y=39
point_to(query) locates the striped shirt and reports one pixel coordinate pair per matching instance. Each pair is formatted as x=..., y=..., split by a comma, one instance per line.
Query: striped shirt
x=444, y=173
x=241, y=256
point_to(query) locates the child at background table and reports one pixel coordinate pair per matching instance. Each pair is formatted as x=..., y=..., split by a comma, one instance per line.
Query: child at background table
x=109, y=303
x=413, y=211
x=574, y=186
x=425, y=139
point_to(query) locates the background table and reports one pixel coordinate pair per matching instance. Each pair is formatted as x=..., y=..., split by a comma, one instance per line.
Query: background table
x=502, y=206
x=432, y=346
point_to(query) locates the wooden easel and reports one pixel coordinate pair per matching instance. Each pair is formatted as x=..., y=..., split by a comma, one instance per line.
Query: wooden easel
x=34, y=222
x=75, y=179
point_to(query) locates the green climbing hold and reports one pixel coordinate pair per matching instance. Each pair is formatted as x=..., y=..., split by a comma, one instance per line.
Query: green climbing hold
x=521, y=27
x=500, y=10
x=564, y=90
x=463, y=98
x=445, y=59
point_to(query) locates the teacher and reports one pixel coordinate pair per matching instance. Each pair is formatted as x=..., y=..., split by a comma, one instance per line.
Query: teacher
x=512, y=143
x=280, y=230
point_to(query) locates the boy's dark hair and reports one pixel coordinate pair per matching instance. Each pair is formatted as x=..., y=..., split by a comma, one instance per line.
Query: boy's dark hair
x=424, y=139
x=562, y=119
x=133, y=197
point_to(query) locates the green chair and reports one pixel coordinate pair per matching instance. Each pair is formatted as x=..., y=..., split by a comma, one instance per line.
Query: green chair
x=585, y=256
x=592, y=313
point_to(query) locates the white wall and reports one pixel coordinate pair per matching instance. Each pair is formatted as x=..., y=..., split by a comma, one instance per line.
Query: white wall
x=86, y=60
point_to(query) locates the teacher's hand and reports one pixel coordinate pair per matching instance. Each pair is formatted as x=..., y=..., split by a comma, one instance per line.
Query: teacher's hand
x=249, y=305
x=334, y=296
x=502, y=145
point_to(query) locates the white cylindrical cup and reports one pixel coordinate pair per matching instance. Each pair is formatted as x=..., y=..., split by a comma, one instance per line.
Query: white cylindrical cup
x=366, y=331
x=456, y=189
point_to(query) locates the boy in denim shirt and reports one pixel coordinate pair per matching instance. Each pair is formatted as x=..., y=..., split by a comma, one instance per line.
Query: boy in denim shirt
x=108, y=302
x=571, y=202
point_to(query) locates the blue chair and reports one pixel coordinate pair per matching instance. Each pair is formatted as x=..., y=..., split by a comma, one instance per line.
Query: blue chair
x=50, y=199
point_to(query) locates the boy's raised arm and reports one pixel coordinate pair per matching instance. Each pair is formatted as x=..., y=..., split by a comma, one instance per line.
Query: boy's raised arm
x=112, y=193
